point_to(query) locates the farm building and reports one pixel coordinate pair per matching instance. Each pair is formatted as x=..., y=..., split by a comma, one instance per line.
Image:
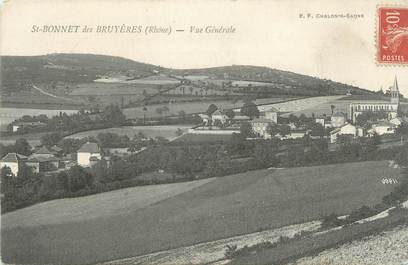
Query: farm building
x=260, y=127
x=347, y=129
x=86, y=152
x=272, y=114
x=383, y=127
x=219, y=115
x=12, y=161
x=43, y=160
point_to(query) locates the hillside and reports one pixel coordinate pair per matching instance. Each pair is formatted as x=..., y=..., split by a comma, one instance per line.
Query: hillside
x=18, y=72
x=142, y=220
x=71, y=68
x=293, y=83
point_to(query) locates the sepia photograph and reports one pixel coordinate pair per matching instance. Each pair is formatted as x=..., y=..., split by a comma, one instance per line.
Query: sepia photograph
x=204, y=132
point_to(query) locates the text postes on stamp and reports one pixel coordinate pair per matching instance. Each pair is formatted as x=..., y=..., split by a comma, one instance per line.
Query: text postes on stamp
x=392, y=37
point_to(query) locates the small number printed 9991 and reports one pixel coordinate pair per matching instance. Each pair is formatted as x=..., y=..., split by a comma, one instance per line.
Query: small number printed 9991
x=389, y=181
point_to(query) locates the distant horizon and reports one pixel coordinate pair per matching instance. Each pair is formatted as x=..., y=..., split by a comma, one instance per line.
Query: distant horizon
x=198, y=68
x=268, y=34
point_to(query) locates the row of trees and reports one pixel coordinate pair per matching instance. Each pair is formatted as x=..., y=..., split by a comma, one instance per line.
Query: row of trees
x=111, y=116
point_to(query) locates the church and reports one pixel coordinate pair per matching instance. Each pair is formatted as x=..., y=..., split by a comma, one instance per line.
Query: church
x=391, y=108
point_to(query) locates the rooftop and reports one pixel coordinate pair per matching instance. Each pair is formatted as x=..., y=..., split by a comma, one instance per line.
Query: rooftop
x=42, y=159
x=43, y=151
x=56, y=148
x=12, y=157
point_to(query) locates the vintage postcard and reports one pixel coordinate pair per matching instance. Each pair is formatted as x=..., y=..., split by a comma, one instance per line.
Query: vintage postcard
x=204, y=132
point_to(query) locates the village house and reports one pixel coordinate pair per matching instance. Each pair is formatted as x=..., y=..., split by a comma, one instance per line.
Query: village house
x=86, y=152
x=219, y=115
x=397, y=121
x=347, y=129
x=382, y=127
x=12, y=161
x=205, y=118
x=43, y=160
x=57, y=151
x=324, y=121
x=296, y=134
x=271, y=114
x=260, y=127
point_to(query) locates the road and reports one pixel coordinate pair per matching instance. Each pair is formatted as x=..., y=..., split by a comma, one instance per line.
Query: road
x=49, y=94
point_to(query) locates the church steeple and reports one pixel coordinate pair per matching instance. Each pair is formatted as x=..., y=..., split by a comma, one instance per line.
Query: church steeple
x=395, y=92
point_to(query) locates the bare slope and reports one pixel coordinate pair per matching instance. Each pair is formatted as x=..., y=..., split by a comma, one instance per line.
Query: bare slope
x=225, y=207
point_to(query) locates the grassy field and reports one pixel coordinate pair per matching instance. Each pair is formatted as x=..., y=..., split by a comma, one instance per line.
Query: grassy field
x=7, y=115
x=166, y=131
x=341, y=104
x=203, y=138
x=300, y=105
x=32, y=138
x=111, y=89
x=192, y=107
x=117, y=224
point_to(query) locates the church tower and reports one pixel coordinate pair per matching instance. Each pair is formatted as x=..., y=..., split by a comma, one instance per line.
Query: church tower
x=395, y=92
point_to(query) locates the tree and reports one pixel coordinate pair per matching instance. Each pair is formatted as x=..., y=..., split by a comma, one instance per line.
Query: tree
x=303, y=119
x=166, y=109
x=250, y=109
x=272, y=129
x=402, y=157
x=140, y=136
x=264, y=154
x=7, y=182
x=230, y=114
x=179, y=132
x=246, y=130
x=318, y=130
x=77, y=178
x=113, y=116
x=293, y=119
x=22, y=147
x=332, y=107
x=284, y=130
x=211, y=109
x=134, y=147
x=24, y=172
x=182, y=114
x=159, y=111
x=51, y=139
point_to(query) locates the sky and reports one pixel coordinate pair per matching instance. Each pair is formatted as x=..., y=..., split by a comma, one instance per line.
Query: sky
x=267, y=33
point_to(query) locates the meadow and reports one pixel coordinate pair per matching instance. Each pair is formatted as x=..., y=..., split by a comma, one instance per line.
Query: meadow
x=166, y=131
x=7, y=115
x=192, y=107
x=142, y=220
x=105, y=89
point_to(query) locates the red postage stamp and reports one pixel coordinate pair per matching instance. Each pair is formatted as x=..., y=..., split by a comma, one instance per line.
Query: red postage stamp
x=392, y=36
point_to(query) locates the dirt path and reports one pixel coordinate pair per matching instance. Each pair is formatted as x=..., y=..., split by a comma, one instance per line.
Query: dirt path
x=49, y=94
x=211, y=252
x=389, y=248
